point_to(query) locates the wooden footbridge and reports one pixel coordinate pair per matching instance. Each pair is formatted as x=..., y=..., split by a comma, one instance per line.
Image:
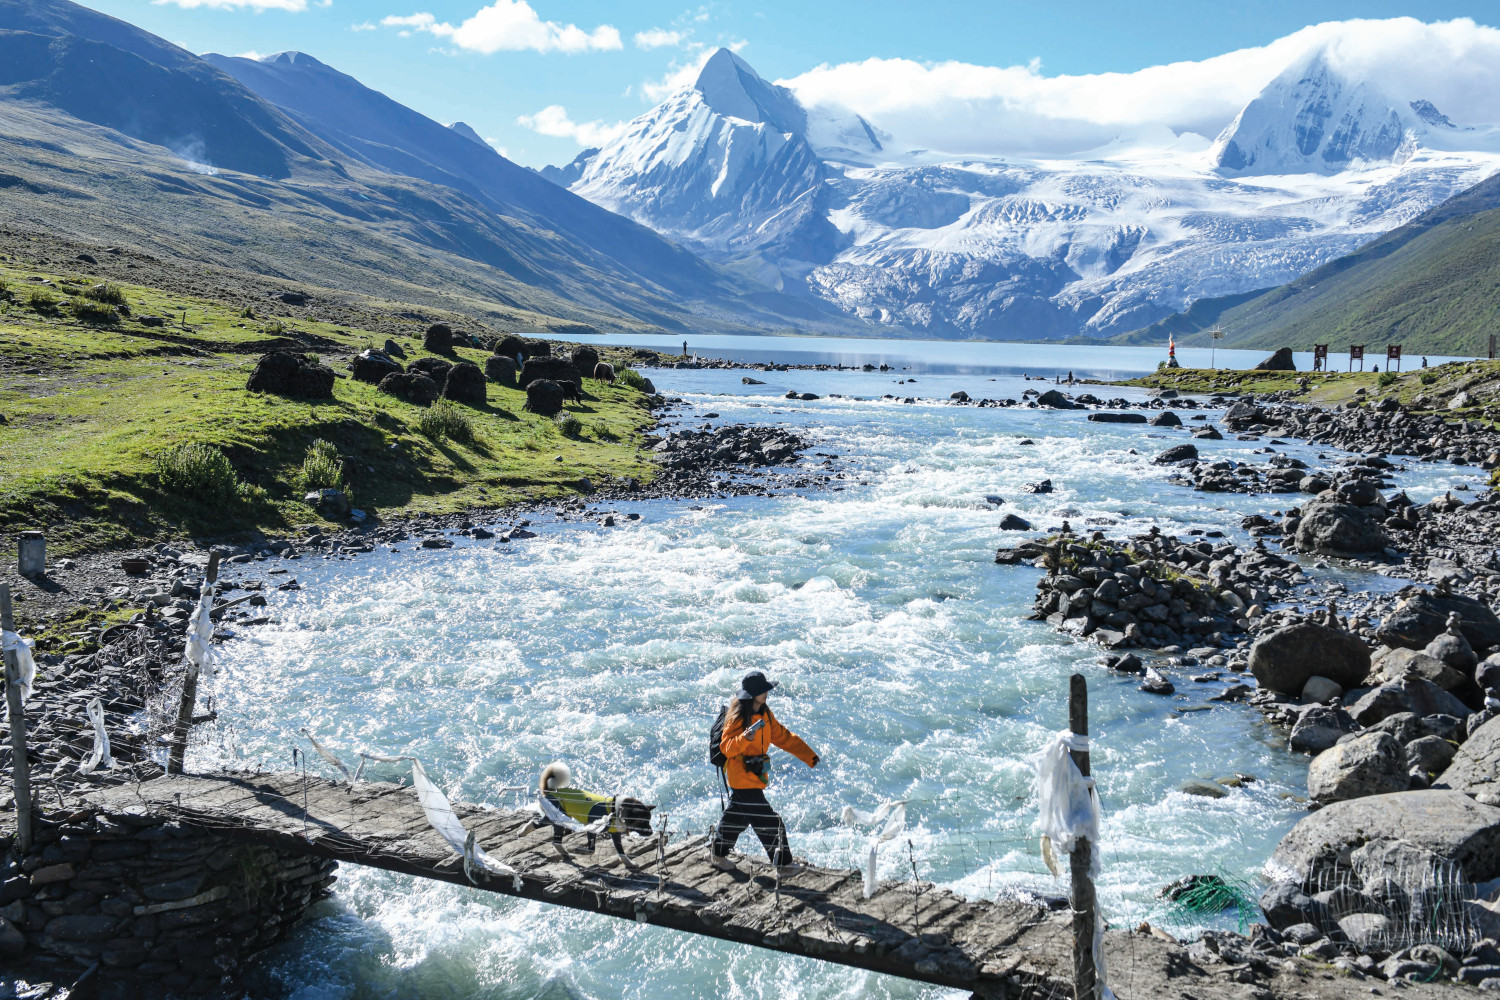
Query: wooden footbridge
x=1002, y=949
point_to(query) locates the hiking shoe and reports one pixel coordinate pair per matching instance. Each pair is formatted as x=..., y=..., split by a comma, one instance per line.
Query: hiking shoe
x=723, y=864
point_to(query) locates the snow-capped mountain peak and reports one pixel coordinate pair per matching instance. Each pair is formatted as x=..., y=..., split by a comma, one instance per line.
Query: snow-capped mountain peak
x=1314, y=119
x=730, y=87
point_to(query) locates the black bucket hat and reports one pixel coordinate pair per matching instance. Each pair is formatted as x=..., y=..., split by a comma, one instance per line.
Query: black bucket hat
x=754, y=685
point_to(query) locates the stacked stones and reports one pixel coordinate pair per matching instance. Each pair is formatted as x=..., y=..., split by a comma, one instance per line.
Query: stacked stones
x=160, y=907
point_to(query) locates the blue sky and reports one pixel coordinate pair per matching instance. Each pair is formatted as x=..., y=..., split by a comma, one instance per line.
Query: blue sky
x=605, y=62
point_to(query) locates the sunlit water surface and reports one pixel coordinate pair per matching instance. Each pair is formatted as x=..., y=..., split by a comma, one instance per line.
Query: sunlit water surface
x=904, y=655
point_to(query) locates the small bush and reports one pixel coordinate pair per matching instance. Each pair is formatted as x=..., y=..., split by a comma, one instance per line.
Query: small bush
x=632, y=378
x=107, y=293
x=197, y=470
x=1386, y=379
x=445, y=420
x=322, y=468
x=1427, y=378
x=602, y=431
x=4, y=290
x=247, y=313
x=40, y=300
x=89, y=311
x=568, y=424
x=273, y=328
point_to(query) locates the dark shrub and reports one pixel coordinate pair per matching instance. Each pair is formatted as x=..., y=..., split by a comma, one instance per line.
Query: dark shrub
x=544, y=397
x=501, y=368
x=465, y=384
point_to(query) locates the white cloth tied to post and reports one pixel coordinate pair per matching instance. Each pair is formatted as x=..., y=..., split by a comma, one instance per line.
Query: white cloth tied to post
x=100, y=757
x=25, y=664
x=441, y=816
x=1069, y=813
x=200, y=630
x=889, y=821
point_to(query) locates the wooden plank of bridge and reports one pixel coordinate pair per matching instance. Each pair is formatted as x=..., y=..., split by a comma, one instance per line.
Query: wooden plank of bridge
x=925, y=933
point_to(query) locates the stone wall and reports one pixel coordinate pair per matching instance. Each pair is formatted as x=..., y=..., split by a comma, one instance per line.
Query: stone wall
x=158, y=906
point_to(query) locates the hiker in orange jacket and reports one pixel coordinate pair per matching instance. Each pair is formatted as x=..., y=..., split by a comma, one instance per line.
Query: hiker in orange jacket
x=750, y=730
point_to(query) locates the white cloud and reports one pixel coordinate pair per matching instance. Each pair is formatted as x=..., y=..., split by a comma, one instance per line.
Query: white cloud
x=656, y=38
x=963, y=107
x=249, y=54
x=511, y=26
x=291, y=5
x=553, y=120
x=364, y=26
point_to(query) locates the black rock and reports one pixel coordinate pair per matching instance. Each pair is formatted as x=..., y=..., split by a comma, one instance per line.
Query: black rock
x=290, y=373
x=543, y=396
x=465, y=384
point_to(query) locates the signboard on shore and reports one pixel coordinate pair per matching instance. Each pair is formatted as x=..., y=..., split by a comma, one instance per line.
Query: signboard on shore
x=1357, y=353
x=1393, y=353
x=1320, y=357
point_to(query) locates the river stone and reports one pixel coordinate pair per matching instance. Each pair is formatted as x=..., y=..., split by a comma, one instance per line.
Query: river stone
x=1428, y=754
x=1409, y=694
x=1447, y=823
x=1422, y=617
x=1331, y=528
x=1166, y=418
x=1367, y=932
x=1287, y=658
x=1055, y=399
x=1319, y=689
x=1487, y=674
x=1475, y=770
x=1319, y=727
x=1013, y=522
x=1394, y=664
x=1177, y=453
x=1118, y=418
x=1454, y=650
x=90, y=927
x=1366, y=765
x=1286, y=905
x=1242, y=414
x=1205, y=789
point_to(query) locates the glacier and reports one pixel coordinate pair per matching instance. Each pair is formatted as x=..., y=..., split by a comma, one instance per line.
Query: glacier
x=819, y=201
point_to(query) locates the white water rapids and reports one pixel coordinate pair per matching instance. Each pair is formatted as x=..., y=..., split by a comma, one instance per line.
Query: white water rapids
x=904, y=654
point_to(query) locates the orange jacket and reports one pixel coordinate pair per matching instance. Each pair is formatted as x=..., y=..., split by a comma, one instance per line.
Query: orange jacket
x=737, y=747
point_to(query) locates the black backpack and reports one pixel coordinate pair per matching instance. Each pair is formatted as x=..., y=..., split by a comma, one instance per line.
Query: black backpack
x=715, y=737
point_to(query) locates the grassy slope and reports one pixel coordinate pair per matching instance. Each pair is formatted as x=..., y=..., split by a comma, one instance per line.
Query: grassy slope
x=1432, y=388
x=1432, y=286
x=88, y=408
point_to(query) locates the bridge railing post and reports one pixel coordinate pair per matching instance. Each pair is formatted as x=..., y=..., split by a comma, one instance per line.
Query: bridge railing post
x=20, y=765
x=1081, y=896
x=189, y=688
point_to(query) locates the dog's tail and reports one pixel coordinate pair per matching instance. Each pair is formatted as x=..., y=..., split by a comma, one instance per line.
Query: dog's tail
x=555, y=775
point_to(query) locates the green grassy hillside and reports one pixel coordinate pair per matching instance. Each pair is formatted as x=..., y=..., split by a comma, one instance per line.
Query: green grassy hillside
x=1432, y=286
x=86, y=409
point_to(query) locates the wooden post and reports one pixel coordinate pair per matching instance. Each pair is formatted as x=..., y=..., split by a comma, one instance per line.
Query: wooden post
x=189, y=688
x=20, y=767
x=1081, y=896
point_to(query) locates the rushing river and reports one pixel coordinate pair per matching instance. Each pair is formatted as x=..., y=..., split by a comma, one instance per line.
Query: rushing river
x=904, y=655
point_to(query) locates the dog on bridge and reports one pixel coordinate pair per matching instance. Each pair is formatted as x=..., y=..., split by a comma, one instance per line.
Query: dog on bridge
x=588, y=809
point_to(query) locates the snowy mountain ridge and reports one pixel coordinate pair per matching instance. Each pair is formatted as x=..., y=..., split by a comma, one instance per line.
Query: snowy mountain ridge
x=820, y=201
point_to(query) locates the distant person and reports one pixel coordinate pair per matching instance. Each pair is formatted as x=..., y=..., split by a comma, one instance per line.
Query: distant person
x=748, y=732
x=1070, y=378
x=684, y=348
x=1424, y=361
